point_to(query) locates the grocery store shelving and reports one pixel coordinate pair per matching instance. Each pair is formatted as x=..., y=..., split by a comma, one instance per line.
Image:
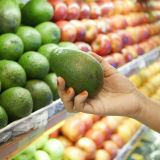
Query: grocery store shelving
x=30, y=128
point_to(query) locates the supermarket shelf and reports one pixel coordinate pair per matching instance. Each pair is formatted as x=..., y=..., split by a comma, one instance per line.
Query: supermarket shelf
x=19, y=134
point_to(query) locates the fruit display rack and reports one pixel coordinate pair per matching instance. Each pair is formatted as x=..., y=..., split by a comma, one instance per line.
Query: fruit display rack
x=19, y=134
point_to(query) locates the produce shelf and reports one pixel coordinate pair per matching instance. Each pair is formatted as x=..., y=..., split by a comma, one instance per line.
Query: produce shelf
x=19, y=134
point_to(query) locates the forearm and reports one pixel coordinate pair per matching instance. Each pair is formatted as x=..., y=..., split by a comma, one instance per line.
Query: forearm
x=149, y=113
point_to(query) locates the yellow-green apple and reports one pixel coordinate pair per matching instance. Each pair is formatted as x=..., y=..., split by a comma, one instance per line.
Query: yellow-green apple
x=95, y=10
x=101, y=45
x=68, y=31
x=111, y=61
x=65, y=141
x=81, y=31
x=91, y=30
x=102, y=154
x=60, y=11
x=84, y=11
x=73, y=129
x=84, y=46
x=111, y=148
x=107, y=9
x=102, y=126
x=73, y=11
x=117, y=140
x=124, y=132
x=97, y=136
x=74, y=153
x=116, y=42
x=88, y=146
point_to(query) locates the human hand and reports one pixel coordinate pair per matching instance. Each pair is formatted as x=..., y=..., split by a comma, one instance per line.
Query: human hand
x=118, y=95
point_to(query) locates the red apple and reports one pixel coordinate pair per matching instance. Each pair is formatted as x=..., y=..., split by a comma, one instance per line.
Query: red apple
x=72, y=153
x=117, y=140
x=111, y=61
x=126, y=37
x=120, y=60
x=102, y=26
x=101, y=45
x=97, y=136
x=53, y=2
x=88, y=146
x=91, y=30
x=119, y=22
x=60, y=11
x=126, y=54
x=81, y=31
x=111, y=148
x=54, y=134
x=139, y=49
x=84, y=46
x=84, y=11
x=144, y=31
x=116, y=42
x=132, y=51
x=102, y=154
x=65, y=141
x=74, y=128
x=73, y=11
x=101, y=126
x=68, y=31
x=107, y=9
x=95, y=10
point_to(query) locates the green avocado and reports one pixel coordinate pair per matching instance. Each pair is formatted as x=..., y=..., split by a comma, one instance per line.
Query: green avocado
x=80, y=70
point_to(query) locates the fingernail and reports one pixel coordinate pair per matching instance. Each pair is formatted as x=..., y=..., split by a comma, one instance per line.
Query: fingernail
x=84, y=93
x=68, y=90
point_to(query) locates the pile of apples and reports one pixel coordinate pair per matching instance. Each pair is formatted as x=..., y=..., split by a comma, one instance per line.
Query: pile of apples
x=120, y=31
x=148, y=80
x=91, y=137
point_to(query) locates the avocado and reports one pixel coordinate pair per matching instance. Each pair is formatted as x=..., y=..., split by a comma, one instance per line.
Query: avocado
x=35, y=65
x=80, y=70
x=51, y=80
x=41, y=93
x=17, y=102
x=3, y=117
x=10, y=16
x=30, y=36
x=11, y=74
x=11, y=46
x=36, y=12
x=50, y=32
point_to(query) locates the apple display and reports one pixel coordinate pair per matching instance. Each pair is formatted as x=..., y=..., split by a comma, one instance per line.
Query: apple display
x=119, y=58
x=73, y=129
x=81, y=31
x=95, y=11
x=88, y=146
x=84, y=11
x=74, y=153
x=60, y=11
x=102, y=154
x=68, y=31
x=83, y=46
x=101, y=45
x=91, y=30
x=111, y=148
x=116, y=42
x=73, y=11
x=97, y=136
x=111, y=61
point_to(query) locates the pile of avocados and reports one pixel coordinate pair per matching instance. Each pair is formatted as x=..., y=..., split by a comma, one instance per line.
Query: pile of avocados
x=31, y=59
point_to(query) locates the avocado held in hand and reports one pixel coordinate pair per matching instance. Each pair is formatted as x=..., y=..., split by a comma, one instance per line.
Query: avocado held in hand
x=80, y=70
